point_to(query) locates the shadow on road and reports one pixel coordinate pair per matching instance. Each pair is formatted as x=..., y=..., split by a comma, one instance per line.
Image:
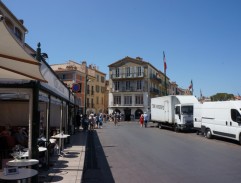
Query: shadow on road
x=96, y=167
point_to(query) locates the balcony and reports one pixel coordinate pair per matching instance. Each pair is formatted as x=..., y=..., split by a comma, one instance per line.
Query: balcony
x=128, y=75
x=154, y=90
x=131, y=89
x=126, y=105
x=154, y=77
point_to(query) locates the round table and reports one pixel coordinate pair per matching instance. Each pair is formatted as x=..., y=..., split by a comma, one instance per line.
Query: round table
x=22, y=162
x=60, y=137
x=24, y=173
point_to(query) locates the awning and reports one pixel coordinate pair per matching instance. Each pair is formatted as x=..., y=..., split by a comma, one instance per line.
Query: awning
x=15, y=62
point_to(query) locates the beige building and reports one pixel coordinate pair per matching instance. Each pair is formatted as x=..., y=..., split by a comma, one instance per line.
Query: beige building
x=133, y=82
x=87, y=82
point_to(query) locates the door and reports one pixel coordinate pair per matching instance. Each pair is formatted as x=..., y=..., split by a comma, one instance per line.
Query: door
x=127, y=114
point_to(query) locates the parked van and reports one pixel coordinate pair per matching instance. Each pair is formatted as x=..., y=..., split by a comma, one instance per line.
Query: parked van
x=219, y=118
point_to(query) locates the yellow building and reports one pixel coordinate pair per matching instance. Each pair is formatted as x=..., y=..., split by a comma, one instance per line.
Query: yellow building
x=87, y=82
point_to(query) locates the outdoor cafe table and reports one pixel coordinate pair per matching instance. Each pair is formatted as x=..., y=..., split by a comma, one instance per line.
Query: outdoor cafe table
x=23, y=173
x=22, y=162
x=60, y=137
x=25, y=154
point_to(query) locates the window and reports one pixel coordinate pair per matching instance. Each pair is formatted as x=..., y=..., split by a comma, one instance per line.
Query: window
x=139, y=85
x=97, y=88
x=102, y=89
x=139, y=99
x=128, y=100
x=177, y=110
x=187, y=110
x=97, y=78
x=117, y=85
x=117, y=100
x=139, y=71
x=92, y=90
x=128, y=72
x=102, y=79
x=235, y=115
x=128, y=85
x=117, y=72
x=88, y=89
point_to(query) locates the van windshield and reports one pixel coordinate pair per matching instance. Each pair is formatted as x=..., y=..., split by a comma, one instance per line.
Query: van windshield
x=187, y=110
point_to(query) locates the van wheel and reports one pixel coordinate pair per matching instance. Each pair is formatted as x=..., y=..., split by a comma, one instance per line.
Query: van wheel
x=208, y=133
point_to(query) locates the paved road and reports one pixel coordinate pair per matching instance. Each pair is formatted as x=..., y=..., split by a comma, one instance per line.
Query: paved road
x=129, y=153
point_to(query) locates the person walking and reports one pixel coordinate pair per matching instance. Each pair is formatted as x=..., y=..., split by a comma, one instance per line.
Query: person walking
x=145, y=119
x=85, y=122
x=91, y=121
x=77, y=121
x=100, y=120
x=141, y=120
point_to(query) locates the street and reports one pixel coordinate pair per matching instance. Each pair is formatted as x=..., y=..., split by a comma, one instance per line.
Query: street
x=129, y=153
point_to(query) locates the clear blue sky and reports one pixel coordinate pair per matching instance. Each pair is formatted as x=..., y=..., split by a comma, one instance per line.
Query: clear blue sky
x=201, y=38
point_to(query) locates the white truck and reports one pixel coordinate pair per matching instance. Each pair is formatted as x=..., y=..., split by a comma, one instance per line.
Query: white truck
x=175, y=111
x=221, y=118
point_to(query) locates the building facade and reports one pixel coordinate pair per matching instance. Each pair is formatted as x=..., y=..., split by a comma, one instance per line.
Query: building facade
x=132, y=84
x=87, y=82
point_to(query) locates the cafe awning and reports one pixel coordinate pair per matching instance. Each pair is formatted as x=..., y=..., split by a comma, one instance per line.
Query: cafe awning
x=15, y=62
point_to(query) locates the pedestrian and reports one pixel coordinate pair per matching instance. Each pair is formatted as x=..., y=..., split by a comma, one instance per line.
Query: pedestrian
x=97, y=122
x=92, y=121
x=85, y=122
x=100, y=120
x=145, y=119
x=141, y=120
x=115, y=118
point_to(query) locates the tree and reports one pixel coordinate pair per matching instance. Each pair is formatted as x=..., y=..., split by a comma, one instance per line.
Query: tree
x=222, y=97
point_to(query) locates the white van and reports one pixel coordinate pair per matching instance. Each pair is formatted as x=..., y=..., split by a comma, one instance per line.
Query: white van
x=218, y=118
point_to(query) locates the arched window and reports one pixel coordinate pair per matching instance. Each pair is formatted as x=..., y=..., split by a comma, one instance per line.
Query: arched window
x=18, y=34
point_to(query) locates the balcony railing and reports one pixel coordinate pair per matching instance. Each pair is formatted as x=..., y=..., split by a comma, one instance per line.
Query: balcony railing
x=133, y=104
x=154, y=90
x=131, y=89
x=153, y=76
x=128, y=75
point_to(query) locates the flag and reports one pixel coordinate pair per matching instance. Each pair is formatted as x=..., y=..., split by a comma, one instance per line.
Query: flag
x=190, y=87
x=164, y=61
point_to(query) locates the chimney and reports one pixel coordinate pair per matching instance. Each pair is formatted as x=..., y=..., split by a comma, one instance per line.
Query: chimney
x=139, y=58
x=84, y=63
x=21, y=21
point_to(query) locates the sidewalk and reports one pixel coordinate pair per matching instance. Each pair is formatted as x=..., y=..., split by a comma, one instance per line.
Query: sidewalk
x=68, y=168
